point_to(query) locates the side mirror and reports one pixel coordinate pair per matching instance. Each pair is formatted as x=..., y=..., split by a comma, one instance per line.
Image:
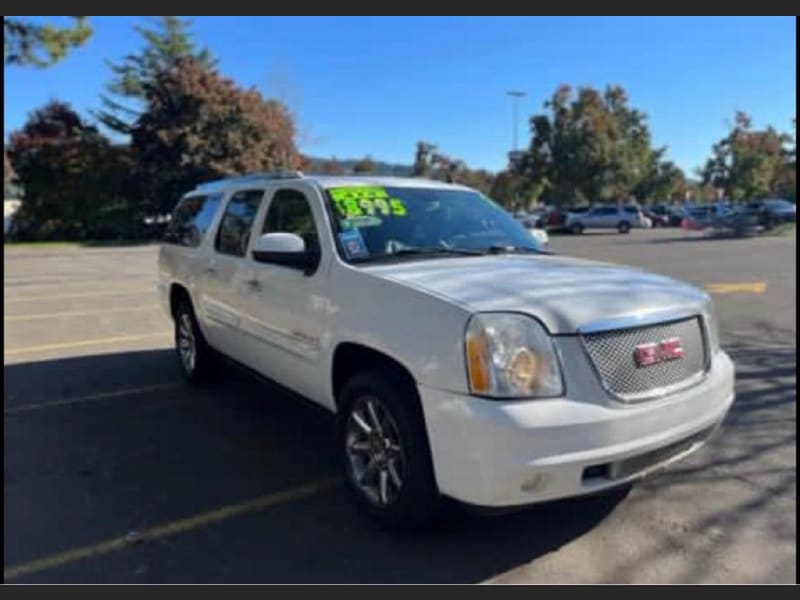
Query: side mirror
x=280, y=242
x=286, y=249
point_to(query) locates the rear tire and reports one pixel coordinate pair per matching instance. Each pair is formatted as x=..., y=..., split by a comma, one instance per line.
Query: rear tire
x=576, y=228
x=624, y=227
x=385, y=453
x=199, y=363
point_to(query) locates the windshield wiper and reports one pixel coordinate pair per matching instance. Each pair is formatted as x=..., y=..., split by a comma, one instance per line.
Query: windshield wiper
x=436, y=250
x=420, y=251
x=500, y=249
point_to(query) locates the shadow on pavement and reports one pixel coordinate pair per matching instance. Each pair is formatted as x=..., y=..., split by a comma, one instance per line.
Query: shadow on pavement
x=85, y=472
x=756, y=447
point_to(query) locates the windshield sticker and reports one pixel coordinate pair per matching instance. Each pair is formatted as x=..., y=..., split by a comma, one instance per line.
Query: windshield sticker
x=353, y=244
x=365, y=221
x=366, y=201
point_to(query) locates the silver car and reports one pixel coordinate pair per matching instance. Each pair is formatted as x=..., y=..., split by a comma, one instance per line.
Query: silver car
x=621, y=218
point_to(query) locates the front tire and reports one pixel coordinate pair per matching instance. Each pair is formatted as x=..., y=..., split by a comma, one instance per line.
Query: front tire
x=198, y=361
x=386, y=456
x=576, y=228
x=624, y=227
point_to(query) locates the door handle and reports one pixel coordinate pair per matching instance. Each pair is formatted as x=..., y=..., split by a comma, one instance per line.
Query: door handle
x=253, y=284
x=209, y=270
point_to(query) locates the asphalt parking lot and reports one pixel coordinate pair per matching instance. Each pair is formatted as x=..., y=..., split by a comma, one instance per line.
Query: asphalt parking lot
x=116, y=471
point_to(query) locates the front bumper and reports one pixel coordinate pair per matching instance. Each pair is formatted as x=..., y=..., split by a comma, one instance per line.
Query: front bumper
x=508, y=453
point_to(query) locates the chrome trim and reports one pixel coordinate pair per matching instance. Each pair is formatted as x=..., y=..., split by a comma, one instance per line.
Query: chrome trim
x=705, y=330
x=641, y=319
x=634, y=321
x=660, y=392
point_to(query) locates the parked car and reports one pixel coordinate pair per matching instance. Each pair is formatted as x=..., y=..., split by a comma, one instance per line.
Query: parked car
x=578, y=210
x=702, y=216
x=739, y=222
x=621, y=218
x=556, y=218
x=659, y=215
x=696, y=219
x=537, y=227
x=536, y=224
x=773, y=211
x=676, y=215
x=459, y=358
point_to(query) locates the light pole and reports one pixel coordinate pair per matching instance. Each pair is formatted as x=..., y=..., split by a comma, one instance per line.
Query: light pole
x=515, y=96
x=513, y=155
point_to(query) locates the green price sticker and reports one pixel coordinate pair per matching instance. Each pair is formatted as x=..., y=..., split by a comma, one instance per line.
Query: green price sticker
x=369, y=201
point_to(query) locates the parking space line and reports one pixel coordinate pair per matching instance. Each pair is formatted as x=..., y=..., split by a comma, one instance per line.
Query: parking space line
x=752, y=287
x=83, y=343
x=78, y=313
x=168, y=529
x=92, y=398
x=131, y=292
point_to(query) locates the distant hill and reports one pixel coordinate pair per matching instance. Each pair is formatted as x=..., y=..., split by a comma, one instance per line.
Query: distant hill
x=381, y=168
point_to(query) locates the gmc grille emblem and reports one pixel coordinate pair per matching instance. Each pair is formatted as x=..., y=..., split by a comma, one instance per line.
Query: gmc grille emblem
x=650, y=354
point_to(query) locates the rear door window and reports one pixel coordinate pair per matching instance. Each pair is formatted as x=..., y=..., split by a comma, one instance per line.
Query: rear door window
x=191, y=219
x=233, y=235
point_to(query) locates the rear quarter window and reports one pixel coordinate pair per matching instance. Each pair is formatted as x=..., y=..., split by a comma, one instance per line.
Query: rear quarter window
x=191, y=219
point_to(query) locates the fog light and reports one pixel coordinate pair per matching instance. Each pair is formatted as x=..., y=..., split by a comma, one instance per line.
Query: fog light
x=535, y=483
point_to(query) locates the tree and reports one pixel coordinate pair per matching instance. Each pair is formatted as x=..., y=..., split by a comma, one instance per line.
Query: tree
x=480, y=179
x=9, y=175
x=588, y=146
x=365, y=166
x=662, y=180
x=198, y=125
x=785, y=184
x=331, y=167
x=422, y=159
x=750, y=163
x=507, y=189
x=27, y=44
x=166, y=43
x=436, y=165
x=72, y=177
x=447, y=169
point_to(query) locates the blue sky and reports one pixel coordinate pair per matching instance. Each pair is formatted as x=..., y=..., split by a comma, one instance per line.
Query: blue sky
x=377, y=85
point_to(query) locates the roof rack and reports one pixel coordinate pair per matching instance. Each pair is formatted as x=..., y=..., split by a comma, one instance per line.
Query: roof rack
x=216, y=183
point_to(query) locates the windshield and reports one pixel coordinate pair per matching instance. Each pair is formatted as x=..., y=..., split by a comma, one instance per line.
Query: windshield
x=378, y=222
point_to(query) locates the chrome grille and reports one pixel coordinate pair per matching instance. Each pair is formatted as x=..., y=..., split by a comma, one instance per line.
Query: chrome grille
x=612, y=353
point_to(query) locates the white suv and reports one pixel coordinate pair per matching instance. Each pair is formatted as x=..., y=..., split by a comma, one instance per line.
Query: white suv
x=461, y=360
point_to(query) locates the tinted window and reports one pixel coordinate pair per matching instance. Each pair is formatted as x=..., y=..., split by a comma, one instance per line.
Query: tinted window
x=191, y=219
x=234, y=230
x=289, y=212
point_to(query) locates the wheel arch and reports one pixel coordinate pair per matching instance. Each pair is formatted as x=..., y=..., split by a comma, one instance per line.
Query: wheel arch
x=178, y=293
x=350, y=358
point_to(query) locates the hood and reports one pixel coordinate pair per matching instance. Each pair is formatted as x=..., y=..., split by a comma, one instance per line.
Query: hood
x=564, y=293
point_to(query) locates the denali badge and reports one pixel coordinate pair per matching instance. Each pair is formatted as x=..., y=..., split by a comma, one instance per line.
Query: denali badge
x=646, y=355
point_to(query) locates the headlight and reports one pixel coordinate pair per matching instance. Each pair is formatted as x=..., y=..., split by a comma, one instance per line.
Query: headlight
x=511, y=356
